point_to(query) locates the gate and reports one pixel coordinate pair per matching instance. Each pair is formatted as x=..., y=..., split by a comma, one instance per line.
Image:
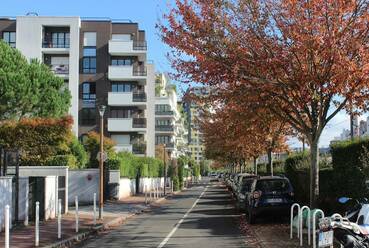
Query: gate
x=36, y=193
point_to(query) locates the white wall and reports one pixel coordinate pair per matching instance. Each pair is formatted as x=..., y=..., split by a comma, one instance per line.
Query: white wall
x=23, y=198
x=5, y=197
x=150, y=112
x=83, y=183
x=127, y=187
x=29, y=42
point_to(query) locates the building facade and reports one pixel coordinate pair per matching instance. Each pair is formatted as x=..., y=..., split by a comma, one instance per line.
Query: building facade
x=169, y=123
x=103, y=62
x=195, y=136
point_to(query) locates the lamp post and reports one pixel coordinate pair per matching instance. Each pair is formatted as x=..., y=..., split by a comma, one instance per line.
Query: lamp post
x=101, y=161
x=165, y=170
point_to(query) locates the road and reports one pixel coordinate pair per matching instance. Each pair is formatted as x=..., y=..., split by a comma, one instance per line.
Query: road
x=202, y=216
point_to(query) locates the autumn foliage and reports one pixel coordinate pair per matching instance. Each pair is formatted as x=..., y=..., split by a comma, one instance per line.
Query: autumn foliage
x=303, y=61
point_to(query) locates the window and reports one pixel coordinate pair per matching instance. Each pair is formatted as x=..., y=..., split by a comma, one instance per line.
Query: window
x=121, y=87
x=121, y=61
x=88, y=116
x=89, y=39
x=122, y=113
x=163, y=122
x=60, y=40
x=162, y=108
x=89, y=60
x=9, y=37
x=89, y=91
x=162, y=140
x=121, y=37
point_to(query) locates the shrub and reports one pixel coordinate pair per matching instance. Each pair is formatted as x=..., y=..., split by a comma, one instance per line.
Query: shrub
x=78, y=150
x=175, y=182
x=278, y=168
x=92, y=146
x=63, y=160
x=180, y=175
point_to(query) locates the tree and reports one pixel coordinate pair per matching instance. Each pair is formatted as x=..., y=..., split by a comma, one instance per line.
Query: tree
x=305, y=60
x=29, y=89
x=92, y=146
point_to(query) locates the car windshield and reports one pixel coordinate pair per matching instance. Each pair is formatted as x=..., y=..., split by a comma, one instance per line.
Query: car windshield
x=273, y=185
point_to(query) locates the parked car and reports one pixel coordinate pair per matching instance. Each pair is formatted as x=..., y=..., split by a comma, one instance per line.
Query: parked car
x=269, y=195
x=244, y=192
x=241, y=180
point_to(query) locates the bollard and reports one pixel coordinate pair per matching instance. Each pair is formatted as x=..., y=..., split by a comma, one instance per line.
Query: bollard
x=301, y=226
x=76, y=204
x=314, y=224
x=291, y=219
x=94, y=209
x=37, y=225
x=145, y=188
x=7, y=226
x=171, y=185
x=59, y=219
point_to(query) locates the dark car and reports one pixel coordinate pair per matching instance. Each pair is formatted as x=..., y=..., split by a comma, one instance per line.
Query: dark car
x=244, y=193
x=269, y=195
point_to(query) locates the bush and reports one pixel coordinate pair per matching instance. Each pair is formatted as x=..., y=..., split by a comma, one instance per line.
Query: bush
x=175, y=182
x=63, y=160
x=278, y=168
x=77, y=149
x=180, y=175
x=92, y=146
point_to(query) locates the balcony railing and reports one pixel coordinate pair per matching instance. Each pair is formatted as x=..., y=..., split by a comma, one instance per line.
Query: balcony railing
x=56, y=43
x=139, y=148
x=167, y=145
x=139, y=97
x=139, y=123
x=167, y=112
x=168, y=128
x=139, y=71
x=140, y=45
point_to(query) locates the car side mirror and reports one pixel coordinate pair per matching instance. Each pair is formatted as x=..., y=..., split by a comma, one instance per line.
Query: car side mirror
x=343, y=199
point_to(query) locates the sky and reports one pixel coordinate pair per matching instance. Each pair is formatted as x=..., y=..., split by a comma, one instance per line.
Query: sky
x=146, y=13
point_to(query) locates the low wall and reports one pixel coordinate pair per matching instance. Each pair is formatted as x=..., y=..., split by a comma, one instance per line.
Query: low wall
x=83, y=183
x=127, y=187
x=5, y=197
x=147, y=184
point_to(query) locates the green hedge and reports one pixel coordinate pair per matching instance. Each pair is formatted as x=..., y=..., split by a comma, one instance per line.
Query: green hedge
x=351, y=166
x=278, y=168
x=132, y=166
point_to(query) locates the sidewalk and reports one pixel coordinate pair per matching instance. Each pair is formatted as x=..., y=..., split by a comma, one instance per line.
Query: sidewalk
x=115, y=213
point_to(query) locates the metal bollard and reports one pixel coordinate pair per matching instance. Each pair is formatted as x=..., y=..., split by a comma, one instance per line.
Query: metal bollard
x=94, y=209
x=76, y=204
x=314, y=224
x=37, y=225
x=145, y=188
x=291, y=219
x=59, y=219
x=7, y=226
x=301, y=226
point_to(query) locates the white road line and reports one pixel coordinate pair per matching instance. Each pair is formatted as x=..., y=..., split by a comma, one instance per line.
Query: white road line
x=176, y=226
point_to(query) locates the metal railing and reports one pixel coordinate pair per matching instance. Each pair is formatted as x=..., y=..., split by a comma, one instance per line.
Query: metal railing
x=58, y=43
x=139, y=71
x=169, y=128
x=140, y=45
x=166, y=112
x=139, y=123
x=138, y=148
x=139, y=97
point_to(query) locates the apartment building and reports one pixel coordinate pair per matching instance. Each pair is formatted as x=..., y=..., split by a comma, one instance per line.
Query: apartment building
x=195, y=136
x=169, y=123
x=103, y=62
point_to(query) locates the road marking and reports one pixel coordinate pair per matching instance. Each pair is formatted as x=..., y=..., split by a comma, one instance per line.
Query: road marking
x=176, y=226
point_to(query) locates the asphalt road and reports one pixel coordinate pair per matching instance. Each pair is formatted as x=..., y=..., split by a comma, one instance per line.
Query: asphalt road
x=202, y=216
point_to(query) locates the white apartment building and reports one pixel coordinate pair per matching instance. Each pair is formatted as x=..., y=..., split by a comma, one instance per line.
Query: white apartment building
x=103, y=62
x=169, y=125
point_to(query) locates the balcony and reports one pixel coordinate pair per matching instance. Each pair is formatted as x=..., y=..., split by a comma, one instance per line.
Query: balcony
x=165, y=113
x=127, y=73
x=164, y=128
x=127, y=124
x=139, y=148
x=128, y=48
x=60, y=70
x=126, y=98
x=58, y=46
x=123, y=148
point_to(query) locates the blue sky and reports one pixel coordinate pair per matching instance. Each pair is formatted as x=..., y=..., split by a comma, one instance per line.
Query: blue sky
x=146, y=13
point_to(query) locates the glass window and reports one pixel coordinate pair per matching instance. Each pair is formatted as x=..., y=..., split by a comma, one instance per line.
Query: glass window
x=121, y=87
x=89, y=91
x=121, y=61
x=9, y=37
x=88, y=116
x=89, y=52
x=121, y=113
x=89, y=60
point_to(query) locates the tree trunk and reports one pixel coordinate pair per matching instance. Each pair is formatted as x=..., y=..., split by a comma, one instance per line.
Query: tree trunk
x=270, y=162
x=303, y=144
x=255, y=165
x=314, y=173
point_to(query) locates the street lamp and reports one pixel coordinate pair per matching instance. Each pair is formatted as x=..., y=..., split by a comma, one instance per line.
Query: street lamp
x=101, y=161
x=165, y=170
